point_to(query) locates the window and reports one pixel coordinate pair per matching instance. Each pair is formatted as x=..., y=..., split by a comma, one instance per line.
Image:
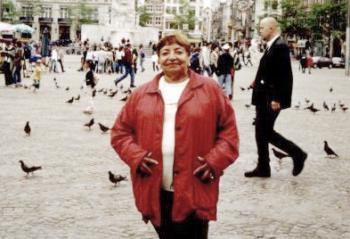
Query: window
x=46, y=12
x=64, y=12
x=27, y=11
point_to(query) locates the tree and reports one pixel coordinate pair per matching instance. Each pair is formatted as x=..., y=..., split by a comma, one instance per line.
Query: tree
x=144, y=15
x=82, y=14
x=9, y=11
x=293, y=19
x=328, y=19
x=186, y=16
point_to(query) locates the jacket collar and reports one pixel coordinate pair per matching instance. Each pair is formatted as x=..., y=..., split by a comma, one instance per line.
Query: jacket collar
x=195, y=81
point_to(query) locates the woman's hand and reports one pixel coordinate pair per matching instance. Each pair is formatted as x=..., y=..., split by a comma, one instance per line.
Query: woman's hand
x=145, y=167
x=204, y=172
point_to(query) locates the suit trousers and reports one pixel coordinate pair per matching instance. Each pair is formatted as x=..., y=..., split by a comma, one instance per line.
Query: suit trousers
x=265, y=134
x=191, y=228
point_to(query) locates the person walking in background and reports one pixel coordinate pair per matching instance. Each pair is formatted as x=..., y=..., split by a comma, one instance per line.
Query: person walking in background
x=309, y=61
x=272, y=92
x=175, y=165
x=214, y=57
x=128, y=63
x=90, y=81
x=54, y=59
x=224, y=70
x=155, y=61
x=142, y=57
x=17, y=65
x=205, y=58
x=61, y=57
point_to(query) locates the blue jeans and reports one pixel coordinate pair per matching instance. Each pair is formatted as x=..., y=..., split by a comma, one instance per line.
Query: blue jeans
x=16, y=76
x=128, y=70
x=225, y=82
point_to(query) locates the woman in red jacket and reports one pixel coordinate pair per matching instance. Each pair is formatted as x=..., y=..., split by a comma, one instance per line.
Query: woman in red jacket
x=177, y=133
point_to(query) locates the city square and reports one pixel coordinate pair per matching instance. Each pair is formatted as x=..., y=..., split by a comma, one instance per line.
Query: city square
x=115, y=113
x=71, y=197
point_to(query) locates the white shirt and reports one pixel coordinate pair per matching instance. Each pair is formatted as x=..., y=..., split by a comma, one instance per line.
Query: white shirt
x=269, y=43
x=171, y=93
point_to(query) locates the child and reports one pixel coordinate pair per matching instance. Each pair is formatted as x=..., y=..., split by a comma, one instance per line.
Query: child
x=37, y=75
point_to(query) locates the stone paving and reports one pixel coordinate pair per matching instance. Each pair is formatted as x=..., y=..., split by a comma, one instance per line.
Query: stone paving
x=71, y=196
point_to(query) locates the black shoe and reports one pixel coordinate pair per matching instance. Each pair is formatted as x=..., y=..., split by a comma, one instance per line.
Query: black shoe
x=132, y=86
x=258, y=172
x=299, y=163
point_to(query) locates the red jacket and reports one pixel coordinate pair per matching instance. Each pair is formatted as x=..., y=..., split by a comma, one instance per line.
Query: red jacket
x=205, y=126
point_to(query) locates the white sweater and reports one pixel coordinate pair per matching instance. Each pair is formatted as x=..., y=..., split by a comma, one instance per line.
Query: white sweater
x=171, y=93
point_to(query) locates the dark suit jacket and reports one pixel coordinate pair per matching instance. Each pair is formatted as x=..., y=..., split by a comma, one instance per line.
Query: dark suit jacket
x=274, y=79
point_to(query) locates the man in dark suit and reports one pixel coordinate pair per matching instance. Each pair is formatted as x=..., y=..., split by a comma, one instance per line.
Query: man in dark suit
x=272, y=92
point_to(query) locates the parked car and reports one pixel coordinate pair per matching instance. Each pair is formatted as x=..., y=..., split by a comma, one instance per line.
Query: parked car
x=338, y=62
x=322, y=61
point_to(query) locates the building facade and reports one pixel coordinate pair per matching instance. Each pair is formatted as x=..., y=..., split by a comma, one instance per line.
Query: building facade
x=62, y=18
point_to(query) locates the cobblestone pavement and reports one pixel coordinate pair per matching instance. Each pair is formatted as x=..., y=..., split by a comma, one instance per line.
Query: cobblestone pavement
x=71, y=196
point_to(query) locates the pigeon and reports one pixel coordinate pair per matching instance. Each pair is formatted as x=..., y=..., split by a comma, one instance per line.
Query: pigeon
x=27, y=129
x=27, y=169
x=242, y=88
x=124, y=99
x=128, y=91
x=94, y=93
x=70, y=101
x=247, y=106
x=331, y=90
x=105, y=92
x=54, y=79
x=344, y=109
x=333, y=107
x=90, y=123
x=314, y=110
x=330, y=152
x=112, y=94
x=325, y=106
x=77, y=98
x=103, y=128
x=67, y=89
x=116, y=178
x=279, y=155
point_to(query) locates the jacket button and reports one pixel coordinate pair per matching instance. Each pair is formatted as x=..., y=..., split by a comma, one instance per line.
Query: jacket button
x=178, y=128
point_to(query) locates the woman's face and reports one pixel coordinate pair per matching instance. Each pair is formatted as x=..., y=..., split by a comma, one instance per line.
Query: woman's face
x=173, y=59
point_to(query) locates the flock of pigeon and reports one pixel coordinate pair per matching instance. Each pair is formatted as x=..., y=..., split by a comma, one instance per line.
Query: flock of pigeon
x=113, y=178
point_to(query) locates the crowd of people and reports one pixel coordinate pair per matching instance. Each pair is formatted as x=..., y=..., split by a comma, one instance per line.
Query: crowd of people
x=21, y=59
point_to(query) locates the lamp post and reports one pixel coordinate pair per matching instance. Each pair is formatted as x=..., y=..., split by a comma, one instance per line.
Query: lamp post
x=347, y=48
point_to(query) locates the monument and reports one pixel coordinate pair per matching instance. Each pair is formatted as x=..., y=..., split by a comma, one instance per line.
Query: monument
x=122, y=24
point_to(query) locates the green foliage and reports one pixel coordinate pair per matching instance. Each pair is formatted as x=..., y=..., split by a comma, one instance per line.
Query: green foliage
x=328, y=19
x=144, y=16
x=317, y=22
x=82, y=14
x=9, y=11
x=294, y=18
x=186, y=16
